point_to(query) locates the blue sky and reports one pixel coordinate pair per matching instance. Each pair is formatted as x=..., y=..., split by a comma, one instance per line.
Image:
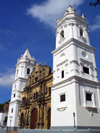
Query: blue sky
x=31, y=24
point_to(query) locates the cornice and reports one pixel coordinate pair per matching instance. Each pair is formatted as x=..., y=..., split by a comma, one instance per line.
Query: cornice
x=86, y=61
x=16, y=101
x=70, y=16
x=75, y=42
x=62, y=62
x=77, y=79
x=20, y=78
x=26, y=62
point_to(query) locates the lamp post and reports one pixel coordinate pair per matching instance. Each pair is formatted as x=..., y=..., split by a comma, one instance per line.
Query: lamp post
x=10, y=124
x=74, y=118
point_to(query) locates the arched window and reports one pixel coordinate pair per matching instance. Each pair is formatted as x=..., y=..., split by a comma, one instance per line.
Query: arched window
x=28, y=71
x=62, y=33
x=81, y=32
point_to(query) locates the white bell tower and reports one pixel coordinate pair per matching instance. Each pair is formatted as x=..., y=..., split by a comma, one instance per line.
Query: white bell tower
x=24, y=67
x=75, y=93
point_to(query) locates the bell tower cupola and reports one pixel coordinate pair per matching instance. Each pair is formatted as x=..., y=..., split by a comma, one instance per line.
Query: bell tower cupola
x=70, y=26
x=24, y=67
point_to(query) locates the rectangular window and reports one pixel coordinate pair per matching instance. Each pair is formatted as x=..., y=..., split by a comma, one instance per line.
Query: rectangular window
x=62, y=74
x=85, y=70
x=36, y=79
x=14, y=95
x=36, y=95
x=81, y=32
x=88, y=97
x=11, y=110
x=62, y=98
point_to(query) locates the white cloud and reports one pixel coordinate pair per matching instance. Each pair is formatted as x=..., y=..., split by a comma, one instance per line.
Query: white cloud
x=7, y=32
x=50, y=10
x=96, y=24
x=6, y=79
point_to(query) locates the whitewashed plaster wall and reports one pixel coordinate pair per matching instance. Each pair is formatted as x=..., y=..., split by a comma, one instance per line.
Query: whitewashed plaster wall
x=72, y=53
x=2, y=118
x=21, y=75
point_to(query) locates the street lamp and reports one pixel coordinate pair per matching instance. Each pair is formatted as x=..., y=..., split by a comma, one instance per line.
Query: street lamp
x=74, y=118
x=10, y=124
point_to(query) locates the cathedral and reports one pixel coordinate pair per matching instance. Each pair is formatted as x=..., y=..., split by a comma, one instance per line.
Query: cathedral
x=35, y=109
x=69, y=96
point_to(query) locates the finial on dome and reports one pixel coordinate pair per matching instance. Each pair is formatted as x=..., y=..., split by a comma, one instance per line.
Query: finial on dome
x=70, y=9
x=58, y=19
x=83, y=16
x=38, y=62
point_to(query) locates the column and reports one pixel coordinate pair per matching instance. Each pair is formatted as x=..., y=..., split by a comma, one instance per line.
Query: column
x=81, y=68
x=57, y=38
x=75, y=31
x=91, y=72
x=86, y=35
x=96, y=77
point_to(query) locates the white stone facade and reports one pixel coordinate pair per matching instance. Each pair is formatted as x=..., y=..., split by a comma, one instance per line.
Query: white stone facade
x=75, y=96
x=24, y=67
x=2, y=118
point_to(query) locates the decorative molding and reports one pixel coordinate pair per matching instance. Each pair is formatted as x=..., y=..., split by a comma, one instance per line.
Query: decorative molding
x=76, y=43
x=61, y=40
x=85, y=61
x=77, y=79
x=96, y=69
x=66, y=64
x=73, y=61
x=62, y=63
x=83, y=39
x=58, y=69
x=90, y=108
x=61, y=109
x=53, y=71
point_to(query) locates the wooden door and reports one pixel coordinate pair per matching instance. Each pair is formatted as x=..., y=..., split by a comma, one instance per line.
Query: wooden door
x=33, y=118
x=49, y=118
x=22, y=116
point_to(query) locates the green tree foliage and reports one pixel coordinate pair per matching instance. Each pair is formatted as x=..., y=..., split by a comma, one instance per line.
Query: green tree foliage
x=95, y=3
x=2, y=106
